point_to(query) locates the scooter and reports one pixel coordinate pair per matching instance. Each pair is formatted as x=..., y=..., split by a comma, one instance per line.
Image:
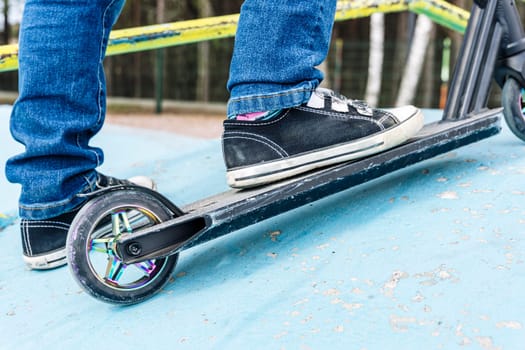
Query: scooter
x=124, y=244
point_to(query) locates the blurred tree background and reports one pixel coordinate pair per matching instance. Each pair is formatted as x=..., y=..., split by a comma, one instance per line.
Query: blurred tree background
x=199, y=72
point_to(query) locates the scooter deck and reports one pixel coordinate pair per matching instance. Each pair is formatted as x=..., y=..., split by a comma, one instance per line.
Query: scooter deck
x=226, y=212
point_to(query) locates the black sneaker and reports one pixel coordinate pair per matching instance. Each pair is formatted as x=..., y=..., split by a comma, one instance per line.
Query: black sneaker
x=329, y=129
x=44, y=241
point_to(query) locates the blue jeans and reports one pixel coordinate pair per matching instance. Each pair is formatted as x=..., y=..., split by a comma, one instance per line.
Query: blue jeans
x=62, y=90
x=277, y=47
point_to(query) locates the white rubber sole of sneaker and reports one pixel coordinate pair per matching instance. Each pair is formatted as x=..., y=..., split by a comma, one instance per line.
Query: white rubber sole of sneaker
x=265, y=173
x=47, y=261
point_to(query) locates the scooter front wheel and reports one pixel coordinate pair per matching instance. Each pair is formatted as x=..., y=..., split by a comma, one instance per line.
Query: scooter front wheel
x=91, y=247
x=513, y=101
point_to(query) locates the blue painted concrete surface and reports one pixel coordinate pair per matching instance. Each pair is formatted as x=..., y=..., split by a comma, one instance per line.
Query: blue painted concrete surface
x=429, y=257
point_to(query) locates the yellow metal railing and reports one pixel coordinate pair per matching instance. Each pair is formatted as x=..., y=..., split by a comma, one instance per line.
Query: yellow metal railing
x=192, y=31
x=439, y=11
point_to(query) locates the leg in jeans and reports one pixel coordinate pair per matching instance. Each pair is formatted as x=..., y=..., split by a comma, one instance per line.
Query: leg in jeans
x=280, y=124
x=61, y=103
x=277, y=47
x=61, y=106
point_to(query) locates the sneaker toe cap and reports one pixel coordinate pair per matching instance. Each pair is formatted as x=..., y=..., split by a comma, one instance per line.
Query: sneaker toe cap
x=404, y=113
x=143, y=181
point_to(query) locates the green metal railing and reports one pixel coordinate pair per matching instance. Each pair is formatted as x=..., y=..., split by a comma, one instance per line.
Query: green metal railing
x=192, y=31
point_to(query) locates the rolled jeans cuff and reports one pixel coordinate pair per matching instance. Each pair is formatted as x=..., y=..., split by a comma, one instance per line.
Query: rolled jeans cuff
x=247, y=102
x=40, y=211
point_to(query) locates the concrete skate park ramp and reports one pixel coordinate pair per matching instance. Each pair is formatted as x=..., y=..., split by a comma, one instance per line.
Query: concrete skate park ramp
x=428, y=257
